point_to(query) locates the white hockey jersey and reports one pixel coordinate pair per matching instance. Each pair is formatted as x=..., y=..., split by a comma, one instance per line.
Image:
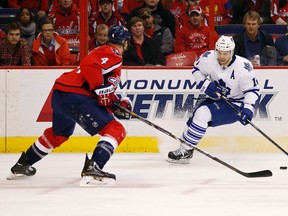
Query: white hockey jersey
x=237, y=81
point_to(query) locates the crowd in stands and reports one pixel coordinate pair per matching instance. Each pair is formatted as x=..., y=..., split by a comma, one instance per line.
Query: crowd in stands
x=46, y=32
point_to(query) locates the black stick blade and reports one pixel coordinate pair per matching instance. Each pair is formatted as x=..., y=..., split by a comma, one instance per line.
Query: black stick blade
x=263, y=173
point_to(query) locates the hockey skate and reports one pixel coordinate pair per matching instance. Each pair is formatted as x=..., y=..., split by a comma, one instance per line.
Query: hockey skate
x=180, y=156
x=21, y=168
x=92, y=175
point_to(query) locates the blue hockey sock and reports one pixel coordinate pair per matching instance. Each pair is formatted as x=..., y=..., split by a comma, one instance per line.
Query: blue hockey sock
x=102, y=153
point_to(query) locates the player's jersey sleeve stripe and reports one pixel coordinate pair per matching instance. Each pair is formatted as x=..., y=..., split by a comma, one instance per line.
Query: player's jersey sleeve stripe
x=105, y=71
x=195, y=69
x=255, y=91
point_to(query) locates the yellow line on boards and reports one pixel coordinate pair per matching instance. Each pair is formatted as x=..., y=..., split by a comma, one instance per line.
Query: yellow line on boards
x=151, y=144
x=82, y=144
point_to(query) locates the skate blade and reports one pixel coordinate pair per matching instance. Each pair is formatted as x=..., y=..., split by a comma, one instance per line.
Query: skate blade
x=13, y=176
x=181, y=161
x=90, y=181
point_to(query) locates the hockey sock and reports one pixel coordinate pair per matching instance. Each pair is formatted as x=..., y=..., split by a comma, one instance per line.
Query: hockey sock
x=102, y=153
x=194, y=133
x=36, y=152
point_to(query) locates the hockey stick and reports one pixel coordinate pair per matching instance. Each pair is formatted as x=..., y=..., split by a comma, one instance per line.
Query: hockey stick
x=253, y=125
x=263, y=173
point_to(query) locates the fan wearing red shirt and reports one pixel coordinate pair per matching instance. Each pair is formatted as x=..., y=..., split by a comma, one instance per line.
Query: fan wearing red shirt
x=222, y=11
x=194, y=35
x=66, y=20
x=176, y=7
x=107, y=16
x=184, y=17
x=38, y=6
x=129, y=5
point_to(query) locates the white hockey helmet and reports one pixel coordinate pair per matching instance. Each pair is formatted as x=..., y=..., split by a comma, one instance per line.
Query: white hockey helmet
x=225, y=43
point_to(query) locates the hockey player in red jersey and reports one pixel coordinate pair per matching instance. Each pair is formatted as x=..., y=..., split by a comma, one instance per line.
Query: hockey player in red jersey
x=86, y=96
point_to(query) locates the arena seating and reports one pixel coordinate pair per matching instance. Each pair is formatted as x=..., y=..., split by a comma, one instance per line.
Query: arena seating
x=273, y=29
x=181, y=59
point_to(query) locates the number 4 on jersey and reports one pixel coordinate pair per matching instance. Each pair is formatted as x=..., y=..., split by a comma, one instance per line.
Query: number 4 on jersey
x=104, y=60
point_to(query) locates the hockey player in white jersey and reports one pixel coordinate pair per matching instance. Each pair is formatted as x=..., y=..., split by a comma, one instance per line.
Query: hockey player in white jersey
x=216, y=72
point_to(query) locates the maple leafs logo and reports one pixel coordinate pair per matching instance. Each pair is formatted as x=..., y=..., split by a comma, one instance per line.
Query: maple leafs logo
x=247, y=66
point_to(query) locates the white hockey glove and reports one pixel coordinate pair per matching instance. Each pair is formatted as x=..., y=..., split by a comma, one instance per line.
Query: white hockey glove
x=125, y=103
x=105, y=95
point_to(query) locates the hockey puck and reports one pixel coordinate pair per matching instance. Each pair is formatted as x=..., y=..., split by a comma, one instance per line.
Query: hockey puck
x=283, y=167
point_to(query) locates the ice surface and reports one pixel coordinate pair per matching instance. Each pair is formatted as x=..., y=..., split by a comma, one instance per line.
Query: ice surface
x=147, y=185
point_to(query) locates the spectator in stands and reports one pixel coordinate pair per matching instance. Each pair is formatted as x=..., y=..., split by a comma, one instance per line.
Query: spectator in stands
x=241, y=7
x=129, y=5
x=66, y=20
x=281, y=45
x=184, y=17
x=101, y=37
x=194, y=35
x=93, y=9
x=25, y=20
x=161, y=34
x=279, y=11
x=114, y=7
x=143, y=50
x=222, y=11
x=14, y=50
x=251, y=42
x=162, y=16
x=49, y=48
x=2, y=34
x=176, y=7
x=107, y=15
x=92, y=6
x=38, y=7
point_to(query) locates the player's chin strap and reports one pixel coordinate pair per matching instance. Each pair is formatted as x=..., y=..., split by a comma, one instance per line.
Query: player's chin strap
x=252, y=124
x=262, y=173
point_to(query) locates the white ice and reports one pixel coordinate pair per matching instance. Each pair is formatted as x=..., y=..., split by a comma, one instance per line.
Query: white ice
x=147, y=186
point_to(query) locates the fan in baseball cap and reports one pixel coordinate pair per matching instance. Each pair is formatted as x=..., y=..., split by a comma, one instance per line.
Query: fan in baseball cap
x=144, y=13
x=106, y=1
x=196, y=9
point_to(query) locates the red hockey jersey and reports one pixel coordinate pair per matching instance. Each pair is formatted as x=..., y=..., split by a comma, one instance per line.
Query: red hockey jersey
x=102, y=66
